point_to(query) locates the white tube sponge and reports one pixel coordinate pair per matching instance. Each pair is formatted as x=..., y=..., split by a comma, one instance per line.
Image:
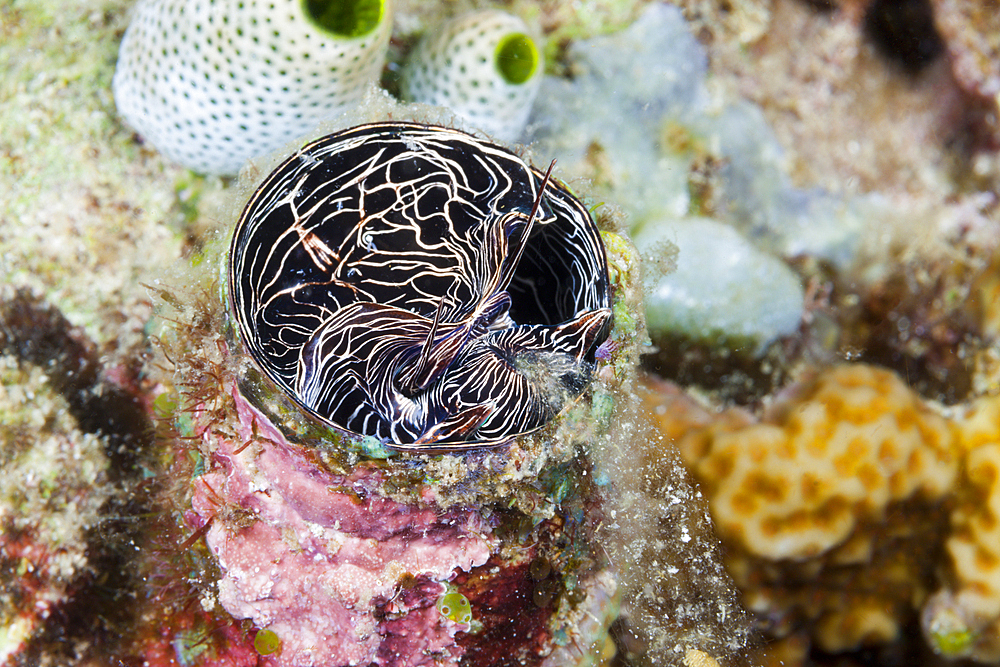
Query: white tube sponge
x=212, y=83
x=483, y=66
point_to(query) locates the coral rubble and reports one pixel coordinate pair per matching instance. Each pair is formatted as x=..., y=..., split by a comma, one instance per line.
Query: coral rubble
x=54, y=487
x=970, y=30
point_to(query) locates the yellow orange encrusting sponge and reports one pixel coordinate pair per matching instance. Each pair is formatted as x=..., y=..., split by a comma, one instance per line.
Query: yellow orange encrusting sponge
x=833, y=504
x=974, y=544
x=962, y=619
x=838, y=451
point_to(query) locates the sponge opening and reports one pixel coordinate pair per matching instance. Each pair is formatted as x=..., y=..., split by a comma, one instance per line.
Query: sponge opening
x=345, y=18
x=516, y=58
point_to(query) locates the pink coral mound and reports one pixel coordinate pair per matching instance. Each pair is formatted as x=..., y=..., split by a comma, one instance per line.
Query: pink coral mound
x=342, y=574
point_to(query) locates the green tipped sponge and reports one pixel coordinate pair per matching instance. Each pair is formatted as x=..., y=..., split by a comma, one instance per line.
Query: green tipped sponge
x=484, y=66
x=212, y=83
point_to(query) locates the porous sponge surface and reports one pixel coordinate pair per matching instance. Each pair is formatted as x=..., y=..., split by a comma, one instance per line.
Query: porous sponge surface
x=212, y=83
x=839, y=452
x=457, y=66
x=962, y=618
x=974, y=544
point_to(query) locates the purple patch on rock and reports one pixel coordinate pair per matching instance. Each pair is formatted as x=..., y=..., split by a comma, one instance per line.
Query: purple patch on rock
x=414, y=631
x=314, y=556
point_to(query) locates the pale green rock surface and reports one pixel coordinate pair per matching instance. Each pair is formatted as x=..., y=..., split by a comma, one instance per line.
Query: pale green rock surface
x=604, y=123
x=86, y=212
x=723, y=287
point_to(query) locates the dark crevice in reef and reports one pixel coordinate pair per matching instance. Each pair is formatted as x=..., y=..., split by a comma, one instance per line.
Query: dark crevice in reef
x=903, y=31
x=101, y=603
x=514, y=631
x=37, y=333
x=923, y=333
x=821, y=6
x=735, y=376
x=909, y=649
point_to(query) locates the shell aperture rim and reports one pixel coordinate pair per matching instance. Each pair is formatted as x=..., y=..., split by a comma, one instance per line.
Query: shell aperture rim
x=395, y=280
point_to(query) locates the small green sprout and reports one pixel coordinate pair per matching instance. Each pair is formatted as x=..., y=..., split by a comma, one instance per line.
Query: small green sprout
x=165, y=405
x=267, y=642
x=455, y=606
x=954, y=644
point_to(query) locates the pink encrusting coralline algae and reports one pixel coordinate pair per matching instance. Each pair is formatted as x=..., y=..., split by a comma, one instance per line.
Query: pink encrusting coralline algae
x=340, y=573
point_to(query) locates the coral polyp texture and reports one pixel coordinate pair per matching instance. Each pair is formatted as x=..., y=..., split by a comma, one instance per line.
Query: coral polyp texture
x=823, y=490
x=877, y=502
x=770, y=484
x=484, y=66
x=963, y=618
x=212, y=83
